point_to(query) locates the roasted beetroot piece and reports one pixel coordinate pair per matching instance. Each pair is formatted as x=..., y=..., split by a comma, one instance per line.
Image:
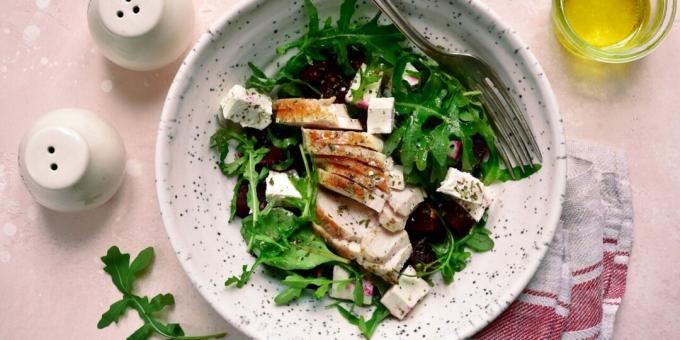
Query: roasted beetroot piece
x=242, y=209
x=424, y=221
x=335, y=85
x=422, y=253
x=314, y=73
x=356, y=57
x=479, y=147
x=274, y=156
x=456, y=217
x=261, y=194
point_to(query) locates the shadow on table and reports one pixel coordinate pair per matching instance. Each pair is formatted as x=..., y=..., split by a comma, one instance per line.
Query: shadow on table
x=142, y=88
x=597, y=80
x=76, y=229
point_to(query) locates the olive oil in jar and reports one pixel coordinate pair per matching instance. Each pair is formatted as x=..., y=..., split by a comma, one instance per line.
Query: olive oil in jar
x=602, y=23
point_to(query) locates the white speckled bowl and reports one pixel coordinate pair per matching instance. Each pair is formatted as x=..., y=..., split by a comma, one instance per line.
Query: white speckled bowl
x=194, y=196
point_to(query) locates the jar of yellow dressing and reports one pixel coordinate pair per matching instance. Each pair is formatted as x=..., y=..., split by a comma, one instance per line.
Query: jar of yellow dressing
x=612, y=31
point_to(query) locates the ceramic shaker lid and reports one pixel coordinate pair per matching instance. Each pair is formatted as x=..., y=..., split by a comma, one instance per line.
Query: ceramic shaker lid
x=71, y=160
x=141, y=34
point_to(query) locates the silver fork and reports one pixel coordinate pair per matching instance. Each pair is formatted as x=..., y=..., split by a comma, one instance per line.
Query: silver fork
x=515, y=142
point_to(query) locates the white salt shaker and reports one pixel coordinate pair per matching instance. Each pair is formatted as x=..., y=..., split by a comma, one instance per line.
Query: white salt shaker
x=141, y=35
x=71, y=160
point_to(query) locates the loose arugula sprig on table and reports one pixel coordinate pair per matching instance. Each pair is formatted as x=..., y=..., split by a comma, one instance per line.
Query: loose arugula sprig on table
x=123, y=274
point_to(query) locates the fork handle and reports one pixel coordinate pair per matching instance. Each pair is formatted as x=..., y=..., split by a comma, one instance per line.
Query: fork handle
x=387, y=7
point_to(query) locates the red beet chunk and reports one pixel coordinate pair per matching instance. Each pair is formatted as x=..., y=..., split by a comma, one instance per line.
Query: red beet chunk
x=456, y=217
x=479, y=147
x=424, y=220
x=242, y=209
x=334, y=85
x=274, y=156
x=422, y=253
x=314, y=73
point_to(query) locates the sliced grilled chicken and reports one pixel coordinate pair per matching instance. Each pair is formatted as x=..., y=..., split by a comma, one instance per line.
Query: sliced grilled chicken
x=404, y=201
x=374, y=199
x=352, y=138
x=381, y=245
x=344, y=218
x=354, y=165
x=389, y=270
x=353, y=231
x=367, y=178
x=314, y=113
x=369, y=157
x=390, y=220
x=347, y=249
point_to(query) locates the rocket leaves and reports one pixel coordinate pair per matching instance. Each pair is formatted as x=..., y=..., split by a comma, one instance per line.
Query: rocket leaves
x=123, y=274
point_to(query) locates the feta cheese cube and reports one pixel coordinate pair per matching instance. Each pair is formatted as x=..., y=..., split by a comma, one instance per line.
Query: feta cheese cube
x=247, y=108
x=468, y=191
x=390, y=220
x=404, y=201
x=279, y=185
x=395, y=177
x=346, y=291
x=464, y=187
x=380, y=117
x=402, y=298
x=411, y=75
x=370, y=90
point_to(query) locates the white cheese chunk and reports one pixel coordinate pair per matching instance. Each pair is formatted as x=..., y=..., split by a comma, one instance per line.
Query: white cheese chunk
x=390, y=220
x=404, y=201
x=468, y=191
x=411, y=75
x=402, y=298
x=370, y=90
x=346, y=291
x=464, y=187
x=247, y=108
x=279, y=185
x=396, y=177
x=380, y=117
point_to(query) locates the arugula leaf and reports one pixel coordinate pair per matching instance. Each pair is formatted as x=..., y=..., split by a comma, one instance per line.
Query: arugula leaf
x=306, y=251
x=366, y=327
x=114, y=313
x=479, y=240
x=123, y=275
x=288, y=295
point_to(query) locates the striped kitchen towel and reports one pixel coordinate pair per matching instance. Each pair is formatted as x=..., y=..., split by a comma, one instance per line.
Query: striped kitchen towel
x=578, y=288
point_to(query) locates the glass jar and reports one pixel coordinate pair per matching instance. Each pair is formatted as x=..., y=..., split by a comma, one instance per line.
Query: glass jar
x=655, y=21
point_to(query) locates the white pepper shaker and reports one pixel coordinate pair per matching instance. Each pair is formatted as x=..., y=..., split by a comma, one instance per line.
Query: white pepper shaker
x=71, y=160
x=141, y=35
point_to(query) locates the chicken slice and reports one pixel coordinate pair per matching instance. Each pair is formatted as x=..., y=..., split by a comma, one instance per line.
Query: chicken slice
x=389, y=270
x=404, y=201
x=369, y=157
x=367, y=178
x=344, y=218
x=352, y=229
x=319, y=113
x=390, y=220
x=381, y=245
x=347, y=249
x=335, y=137
x=374, y=199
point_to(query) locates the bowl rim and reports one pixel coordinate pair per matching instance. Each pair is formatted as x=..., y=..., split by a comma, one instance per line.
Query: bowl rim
x=584, y=49
x=183, y=79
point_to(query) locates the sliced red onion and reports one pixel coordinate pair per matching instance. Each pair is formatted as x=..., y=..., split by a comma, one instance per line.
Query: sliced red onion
x=455, y=152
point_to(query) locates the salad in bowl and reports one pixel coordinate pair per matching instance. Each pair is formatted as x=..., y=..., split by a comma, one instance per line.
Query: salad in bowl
x=362, y=170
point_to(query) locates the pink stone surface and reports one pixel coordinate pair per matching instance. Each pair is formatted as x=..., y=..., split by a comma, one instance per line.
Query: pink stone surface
x=51, y=280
